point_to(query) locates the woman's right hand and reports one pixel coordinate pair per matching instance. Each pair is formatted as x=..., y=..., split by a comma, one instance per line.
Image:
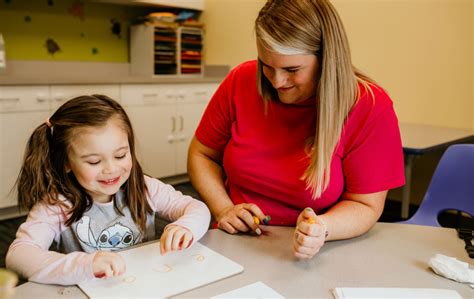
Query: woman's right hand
x=239, y=218
x=108, y=264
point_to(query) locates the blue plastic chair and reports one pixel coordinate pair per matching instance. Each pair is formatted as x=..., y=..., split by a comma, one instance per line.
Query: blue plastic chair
x=451, y=187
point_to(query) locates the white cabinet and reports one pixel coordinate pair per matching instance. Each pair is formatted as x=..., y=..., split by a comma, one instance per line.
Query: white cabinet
x=22, y=109
x=151, y=111
x=62, y=93
x=164, y=118
x=192, y=102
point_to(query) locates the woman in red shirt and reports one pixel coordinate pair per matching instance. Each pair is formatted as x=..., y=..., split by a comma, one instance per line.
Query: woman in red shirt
x=314, y=143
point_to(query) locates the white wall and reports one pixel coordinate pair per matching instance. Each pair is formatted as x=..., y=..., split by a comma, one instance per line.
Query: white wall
x=230, y=37
x=421, y=51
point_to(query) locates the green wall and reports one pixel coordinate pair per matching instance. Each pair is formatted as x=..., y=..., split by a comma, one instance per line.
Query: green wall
x=81, y=30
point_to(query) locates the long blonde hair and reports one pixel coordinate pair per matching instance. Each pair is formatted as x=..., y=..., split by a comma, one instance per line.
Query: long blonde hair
x=313, y=27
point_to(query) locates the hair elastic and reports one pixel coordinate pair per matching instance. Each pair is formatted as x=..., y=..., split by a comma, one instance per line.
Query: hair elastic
x=49, y=124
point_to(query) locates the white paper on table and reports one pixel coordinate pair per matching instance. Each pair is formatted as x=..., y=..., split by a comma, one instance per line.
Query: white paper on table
x=254, y=290
x=401, y=293
x=151, y=275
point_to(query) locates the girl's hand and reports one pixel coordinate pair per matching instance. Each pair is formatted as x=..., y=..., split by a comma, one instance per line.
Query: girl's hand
x=239, y=218
x=175, y=238
x=310, y=234
x=108, y=264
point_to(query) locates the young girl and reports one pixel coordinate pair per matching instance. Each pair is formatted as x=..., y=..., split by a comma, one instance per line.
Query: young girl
x=86, y=191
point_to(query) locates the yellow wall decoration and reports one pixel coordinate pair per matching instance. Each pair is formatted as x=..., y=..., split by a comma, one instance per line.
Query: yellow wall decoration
x=73, y=30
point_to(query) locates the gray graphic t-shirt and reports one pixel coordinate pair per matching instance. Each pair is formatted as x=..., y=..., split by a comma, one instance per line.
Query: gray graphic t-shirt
x=103, y=228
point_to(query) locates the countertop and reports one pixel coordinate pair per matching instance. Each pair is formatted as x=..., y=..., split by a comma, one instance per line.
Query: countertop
x=70, y=73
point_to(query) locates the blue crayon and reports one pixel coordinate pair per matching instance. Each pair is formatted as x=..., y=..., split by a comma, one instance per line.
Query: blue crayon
x=266, y=220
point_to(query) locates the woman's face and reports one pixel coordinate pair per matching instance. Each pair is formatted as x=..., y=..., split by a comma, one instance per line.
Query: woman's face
x=293, y=76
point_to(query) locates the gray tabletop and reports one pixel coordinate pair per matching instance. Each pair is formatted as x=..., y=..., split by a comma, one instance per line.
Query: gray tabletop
x=390, y=255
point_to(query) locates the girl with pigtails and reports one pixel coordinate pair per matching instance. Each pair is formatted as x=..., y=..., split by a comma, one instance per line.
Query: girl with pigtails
x=85, y=190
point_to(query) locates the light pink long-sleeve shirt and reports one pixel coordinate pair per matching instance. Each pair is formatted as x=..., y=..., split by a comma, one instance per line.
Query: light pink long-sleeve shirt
x=29, y=253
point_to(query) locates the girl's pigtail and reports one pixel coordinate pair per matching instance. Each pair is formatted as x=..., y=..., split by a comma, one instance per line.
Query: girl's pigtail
x=36, y=179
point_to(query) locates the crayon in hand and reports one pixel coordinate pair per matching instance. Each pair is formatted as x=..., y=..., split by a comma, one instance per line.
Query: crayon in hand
x=257, y=222
x=310, y=220
x=267, y=219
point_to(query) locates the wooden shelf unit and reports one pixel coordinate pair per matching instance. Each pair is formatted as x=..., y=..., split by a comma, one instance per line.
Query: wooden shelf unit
x=166, y=49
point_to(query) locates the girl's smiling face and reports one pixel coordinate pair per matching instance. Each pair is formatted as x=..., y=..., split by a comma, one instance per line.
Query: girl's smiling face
x=293, y=76
x=99, y=158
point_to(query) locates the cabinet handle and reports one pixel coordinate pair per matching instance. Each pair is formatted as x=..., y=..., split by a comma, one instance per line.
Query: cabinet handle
x=170, y=97
x=10, y=103
x=181, y=137
x=150, y=98
x=9, y=99
x=173, y=126
x=201, y=96
x=181, y=123
x=180, y=97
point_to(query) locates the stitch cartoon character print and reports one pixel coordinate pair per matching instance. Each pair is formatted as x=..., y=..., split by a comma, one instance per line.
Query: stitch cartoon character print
x=113, y=237
x=108, y=227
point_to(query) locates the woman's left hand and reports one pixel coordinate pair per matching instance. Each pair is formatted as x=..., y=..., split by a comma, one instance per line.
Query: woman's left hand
x=175, y=238
x=309, y=236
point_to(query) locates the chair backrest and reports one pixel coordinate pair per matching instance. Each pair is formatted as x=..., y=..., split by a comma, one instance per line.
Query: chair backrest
x=451, y=187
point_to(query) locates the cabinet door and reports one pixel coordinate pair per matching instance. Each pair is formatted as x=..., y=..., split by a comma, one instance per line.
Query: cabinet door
x=151, y=110
x=62, y=93
x=192, y=102
x=22, y=109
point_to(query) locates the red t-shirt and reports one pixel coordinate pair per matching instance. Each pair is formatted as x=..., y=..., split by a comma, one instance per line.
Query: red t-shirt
x=264, y=152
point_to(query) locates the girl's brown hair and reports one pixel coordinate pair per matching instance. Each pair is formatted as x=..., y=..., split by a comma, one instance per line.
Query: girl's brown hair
x=313, y=27
x=43, y=175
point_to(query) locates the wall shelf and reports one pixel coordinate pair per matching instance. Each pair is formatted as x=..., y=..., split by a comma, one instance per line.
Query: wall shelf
x=166, y=49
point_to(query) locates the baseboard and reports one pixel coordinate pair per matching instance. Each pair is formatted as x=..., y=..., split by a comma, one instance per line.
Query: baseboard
x=11, y=212
x=176, y=179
